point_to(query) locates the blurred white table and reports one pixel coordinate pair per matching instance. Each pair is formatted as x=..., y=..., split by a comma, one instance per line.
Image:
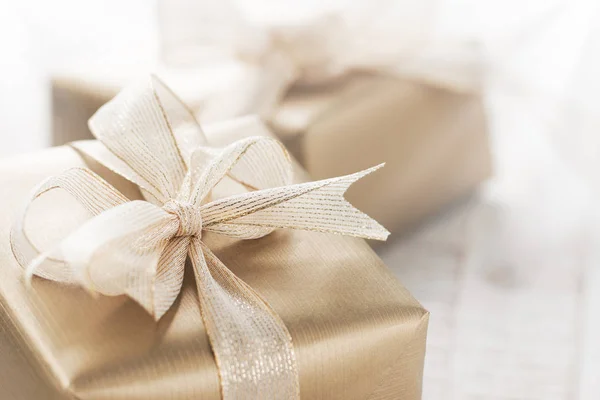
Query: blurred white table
x=502, y=331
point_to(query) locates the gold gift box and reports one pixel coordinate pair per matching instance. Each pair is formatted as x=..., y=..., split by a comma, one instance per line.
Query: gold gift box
x=433, y=140
x=357, y=332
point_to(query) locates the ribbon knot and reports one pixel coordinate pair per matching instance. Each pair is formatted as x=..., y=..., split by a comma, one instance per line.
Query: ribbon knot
x=139, y=248
x=189, y=217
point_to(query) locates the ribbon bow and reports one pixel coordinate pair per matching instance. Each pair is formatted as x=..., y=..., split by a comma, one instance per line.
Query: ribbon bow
x=139, y=248
x=296, y=44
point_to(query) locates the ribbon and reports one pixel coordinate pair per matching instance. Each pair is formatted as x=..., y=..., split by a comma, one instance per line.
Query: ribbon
x=139, y=248
x=294, y=44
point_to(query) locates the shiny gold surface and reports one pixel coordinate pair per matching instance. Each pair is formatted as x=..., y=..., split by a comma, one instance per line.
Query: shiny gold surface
x=357, y=333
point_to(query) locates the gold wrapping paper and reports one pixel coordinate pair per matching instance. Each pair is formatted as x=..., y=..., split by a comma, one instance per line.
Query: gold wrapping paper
x=357, y=333
x=433, y=140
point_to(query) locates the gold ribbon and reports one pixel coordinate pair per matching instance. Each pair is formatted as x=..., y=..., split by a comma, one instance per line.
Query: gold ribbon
x=139, y=248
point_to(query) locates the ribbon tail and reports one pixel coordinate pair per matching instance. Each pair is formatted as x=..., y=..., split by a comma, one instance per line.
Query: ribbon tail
x=169, y=275
x=314, y=206
x=252, y=347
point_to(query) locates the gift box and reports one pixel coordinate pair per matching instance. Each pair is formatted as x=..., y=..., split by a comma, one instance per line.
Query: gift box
x=356, y=332
x=432, y=138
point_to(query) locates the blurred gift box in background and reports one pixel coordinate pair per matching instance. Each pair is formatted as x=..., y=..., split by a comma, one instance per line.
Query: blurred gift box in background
x=484, y=111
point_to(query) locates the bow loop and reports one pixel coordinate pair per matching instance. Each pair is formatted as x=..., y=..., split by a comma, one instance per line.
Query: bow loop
x=149, y=130
x=255, y=163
